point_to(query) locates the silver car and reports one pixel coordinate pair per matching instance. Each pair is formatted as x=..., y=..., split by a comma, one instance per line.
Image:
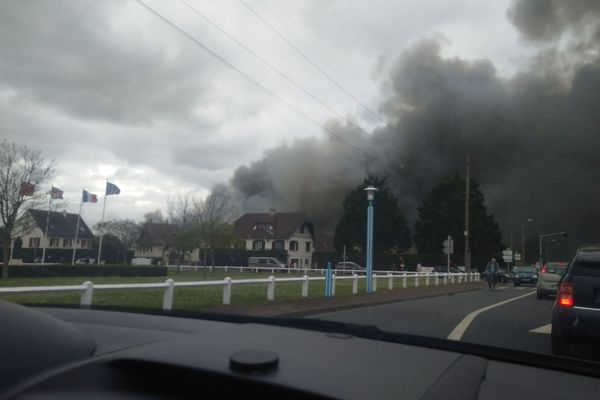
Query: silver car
x=548, y=278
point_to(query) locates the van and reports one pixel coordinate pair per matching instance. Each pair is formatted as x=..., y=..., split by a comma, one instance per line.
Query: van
x=265, y=262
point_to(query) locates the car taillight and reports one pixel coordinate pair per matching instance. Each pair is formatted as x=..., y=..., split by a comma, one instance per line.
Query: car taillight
x=565, y=294
x=544, y=269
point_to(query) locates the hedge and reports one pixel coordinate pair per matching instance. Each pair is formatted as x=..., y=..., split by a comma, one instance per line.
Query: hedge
x=45, y=271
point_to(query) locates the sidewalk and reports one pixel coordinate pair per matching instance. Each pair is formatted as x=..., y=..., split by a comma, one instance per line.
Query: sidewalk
x=311, y=306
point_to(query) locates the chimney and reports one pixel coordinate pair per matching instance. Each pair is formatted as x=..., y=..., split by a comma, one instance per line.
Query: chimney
x=272, y=211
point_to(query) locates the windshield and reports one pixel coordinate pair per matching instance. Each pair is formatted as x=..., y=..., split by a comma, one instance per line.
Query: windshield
x=528, y=270
x=295, y=158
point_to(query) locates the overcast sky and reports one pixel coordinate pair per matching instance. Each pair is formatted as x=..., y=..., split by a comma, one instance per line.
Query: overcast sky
x=110, y=91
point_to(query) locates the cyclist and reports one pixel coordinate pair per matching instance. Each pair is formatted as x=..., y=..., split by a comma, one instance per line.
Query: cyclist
x=491, y=271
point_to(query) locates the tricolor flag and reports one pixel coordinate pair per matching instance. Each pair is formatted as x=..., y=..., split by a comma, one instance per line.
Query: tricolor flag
x=111, y=188
x=26, y=189
x=88, y=197
x=56, y=193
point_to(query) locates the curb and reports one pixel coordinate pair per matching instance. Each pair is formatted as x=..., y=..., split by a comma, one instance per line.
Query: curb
x=325, y=310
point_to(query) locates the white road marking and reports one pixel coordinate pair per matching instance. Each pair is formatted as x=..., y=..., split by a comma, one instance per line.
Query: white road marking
x=545, y=329
x=462, y=327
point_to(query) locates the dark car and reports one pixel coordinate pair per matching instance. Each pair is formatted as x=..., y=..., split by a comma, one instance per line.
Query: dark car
x=501, y=275
x=576, y=310
x=525, y=275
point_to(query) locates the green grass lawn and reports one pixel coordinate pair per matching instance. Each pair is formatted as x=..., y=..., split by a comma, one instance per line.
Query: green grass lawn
x=186, y=298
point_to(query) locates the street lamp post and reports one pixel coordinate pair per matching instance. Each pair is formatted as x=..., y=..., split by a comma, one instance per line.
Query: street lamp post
x=543, y=235
x=370, y=198
x=523, y=238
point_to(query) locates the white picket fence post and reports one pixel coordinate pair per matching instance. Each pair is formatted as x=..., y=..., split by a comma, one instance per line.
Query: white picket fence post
x=226, y=268
x=427, y=279
x=390, y=281
x=459, y=277
x=227, y=291
x=416, y=280
x=168, y=296
x=445, y=278
x=86, y=297
x=437, y=279
x=333, y=284
x=271, y=288
x=374, y=282
x=452, y=278
x=404, y=280
x=305, y=286
x=241, y=268
x=354, y=283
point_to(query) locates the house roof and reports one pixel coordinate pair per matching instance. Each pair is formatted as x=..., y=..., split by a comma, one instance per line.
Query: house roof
x=284, y=225
x=154, y=233
x=61, y=224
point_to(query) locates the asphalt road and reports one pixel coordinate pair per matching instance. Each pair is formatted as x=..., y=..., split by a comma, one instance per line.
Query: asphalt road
x=510, y=317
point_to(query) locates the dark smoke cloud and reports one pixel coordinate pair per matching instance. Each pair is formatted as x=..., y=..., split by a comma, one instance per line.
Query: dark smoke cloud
x=533, y=139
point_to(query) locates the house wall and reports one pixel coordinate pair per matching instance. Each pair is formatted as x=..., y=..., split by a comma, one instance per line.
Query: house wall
x=38, y=233
x=301, y=256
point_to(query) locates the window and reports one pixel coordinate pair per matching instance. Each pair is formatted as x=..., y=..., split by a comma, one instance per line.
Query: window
x=262, y=227
x=53, y=242
x=278, y=245
x=34, y=242
x=67, y=242
x=293, y=245
x=307, y=246
x=258, y=245
x=306, y=262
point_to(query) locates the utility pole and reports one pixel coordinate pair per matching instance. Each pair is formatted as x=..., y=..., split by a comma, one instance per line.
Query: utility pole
x=467, y=196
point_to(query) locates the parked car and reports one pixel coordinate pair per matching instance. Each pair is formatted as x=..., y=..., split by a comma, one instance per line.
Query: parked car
x=548, y=278
x=266, y=262
x=525, y=275
x=576, y=310
x=349, y=266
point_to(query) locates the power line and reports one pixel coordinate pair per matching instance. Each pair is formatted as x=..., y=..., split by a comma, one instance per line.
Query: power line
x=261, y=86
x=347, y=65
x=324, y=54
x=303, y=55
x=283, y=75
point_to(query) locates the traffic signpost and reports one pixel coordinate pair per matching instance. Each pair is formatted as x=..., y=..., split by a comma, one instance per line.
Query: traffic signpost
x=508, y=256
x=448, y=249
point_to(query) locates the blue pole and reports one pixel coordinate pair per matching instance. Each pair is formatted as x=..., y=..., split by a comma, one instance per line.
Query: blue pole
x=328, y=280
x=370, y=247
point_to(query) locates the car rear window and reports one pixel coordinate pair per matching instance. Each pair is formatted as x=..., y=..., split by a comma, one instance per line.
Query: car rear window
x=556, y=268
x=591, y=268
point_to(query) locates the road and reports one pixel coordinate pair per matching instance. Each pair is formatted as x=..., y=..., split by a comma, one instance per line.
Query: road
x=510, y=317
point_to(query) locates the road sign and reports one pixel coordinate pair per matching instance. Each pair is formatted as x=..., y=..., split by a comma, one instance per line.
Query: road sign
x=507, y=255
x=517, y=257
x=449, y=245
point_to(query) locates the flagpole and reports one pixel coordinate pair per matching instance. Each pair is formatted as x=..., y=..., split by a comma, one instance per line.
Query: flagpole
x=76, y=233
x=101, y=228
x=46, y=231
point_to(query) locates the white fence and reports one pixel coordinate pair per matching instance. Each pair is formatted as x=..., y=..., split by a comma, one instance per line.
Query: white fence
x=88, y=288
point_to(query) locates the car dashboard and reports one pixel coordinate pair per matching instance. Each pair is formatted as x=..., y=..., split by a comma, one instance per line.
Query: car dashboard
x=61, y=353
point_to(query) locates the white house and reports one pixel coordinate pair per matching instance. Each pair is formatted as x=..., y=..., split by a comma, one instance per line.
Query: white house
x=61, y=231
x=278, y=231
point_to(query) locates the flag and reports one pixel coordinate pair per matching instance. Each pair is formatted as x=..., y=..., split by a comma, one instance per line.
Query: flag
x=111, y=188
x=88, y=197
x=56, y=193
x=27, y=189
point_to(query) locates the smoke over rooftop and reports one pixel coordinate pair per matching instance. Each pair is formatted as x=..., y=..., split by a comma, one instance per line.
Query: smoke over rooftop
x=533, y=138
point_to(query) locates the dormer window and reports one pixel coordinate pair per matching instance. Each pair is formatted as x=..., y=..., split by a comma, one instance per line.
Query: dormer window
x=262, y=227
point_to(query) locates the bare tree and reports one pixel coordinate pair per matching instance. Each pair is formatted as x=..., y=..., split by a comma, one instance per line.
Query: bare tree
x=154, y=216
x=126, y=230
x=19, y=164
x=217, y=212
x=184, y=210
